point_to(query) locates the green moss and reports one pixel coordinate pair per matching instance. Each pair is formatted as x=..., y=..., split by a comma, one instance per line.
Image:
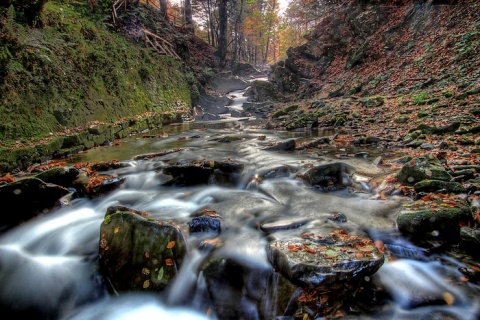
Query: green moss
x=285, y=111
x=107, y=219
x=74, y=70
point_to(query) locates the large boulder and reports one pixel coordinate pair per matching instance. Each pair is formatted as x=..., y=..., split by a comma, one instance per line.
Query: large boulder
x=436, y=218
x=226, y=84
x=323, y=261
x=63, y=176
x=327, y=269
x=27, y=198
x=426, y=167
x=137, y=254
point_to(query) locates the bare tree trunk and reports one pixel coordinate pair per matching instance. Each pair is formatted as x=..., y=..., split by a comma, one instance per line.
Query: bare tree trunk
x=222, y=28
x=188, y=16
x=163, y=9
x=238, y=21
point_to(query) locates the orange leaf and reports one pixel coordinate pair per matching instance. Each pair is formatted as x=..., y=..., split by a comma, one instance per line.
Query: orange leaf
x=171, y=244
x=309, y=250
x=169, y=262
x=449, y=298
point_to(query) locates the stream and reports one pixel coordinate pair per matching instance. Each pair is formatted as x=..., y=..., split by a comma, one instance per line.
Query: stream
x=49, y=265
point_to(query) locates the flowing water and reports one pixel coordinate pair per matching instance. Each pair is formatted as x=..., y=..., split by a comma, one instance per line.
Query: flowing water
x=49, y=265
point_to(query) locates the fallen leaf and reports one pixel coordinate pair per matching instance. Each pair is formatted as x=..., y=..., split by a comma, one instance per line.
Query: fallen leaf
x=160, y=274
x=331, y=253
x=449, y=298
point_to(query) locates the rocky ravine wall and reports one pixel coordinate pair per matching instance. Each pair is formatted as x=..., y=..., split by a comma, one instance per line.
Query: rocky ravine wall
x=69, y=83
x=385, y=47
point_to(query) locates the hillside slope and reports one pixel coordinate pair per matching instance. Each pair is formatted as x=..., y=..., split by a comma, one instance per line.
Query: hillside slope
x=365, y=48
x=69, y=68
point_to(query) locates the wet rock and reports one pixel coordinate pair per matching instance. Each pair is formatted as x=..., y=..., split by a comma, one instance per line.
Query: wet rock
x=261, y=91
x=329, y=177
x=288, y=145
x=27, y=198
x=363, y=155
x=246, y=69
x=228, y=139
x=226, y=84
x=470, y=237
x=204, y=224
x=310, y=264
x=204, y=172
x=101, y=185
x=237, y=113
x=137, y=254
x=283, y=224
x=328, y=270
x=338, y=217
x=187, y=175
x=62, y=176
x=155, y=154
x=109, y=165
x=437, y=218
x=426, y=167
x=272, y=172
x=235, y=289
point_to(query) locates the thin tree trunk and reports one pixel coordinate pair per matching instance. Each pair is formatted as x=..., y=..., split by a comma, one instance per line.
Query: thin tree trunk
x=163, y=9
x=222, y=28
x=188, y=16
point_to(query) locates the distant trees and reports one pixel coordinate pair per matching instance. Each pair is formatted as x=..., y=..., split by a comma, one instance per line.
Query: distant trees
x=254, y=30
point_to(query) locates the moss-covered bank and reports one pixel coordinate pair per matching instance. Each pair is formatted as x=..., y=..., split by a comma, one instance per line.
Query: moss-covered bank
x=69, y=69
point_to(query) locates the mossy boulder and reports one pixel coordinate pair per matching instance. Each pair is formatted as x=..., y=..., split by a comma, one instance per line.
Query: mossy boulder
x=49, y=148
x=375, y=101
x=62, y=176
x=434, y=219
x=17, y=159
x=138, y=254
x=426, y=167
x=285, y=111
x=436, y=185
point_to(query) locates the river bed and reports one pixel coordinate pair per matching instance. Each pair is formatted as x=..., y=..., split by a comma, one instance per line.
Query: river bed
x=49, y=265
